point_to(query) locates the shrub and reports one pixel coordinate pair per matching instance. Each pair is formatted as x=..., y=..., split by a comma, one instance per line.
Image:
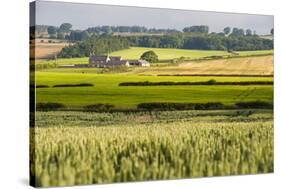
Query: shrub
x=49, y=106
x=212, y=57
x=149, y=56
x=211, y=82
x=42, y=86
x=254, y=104
x=75, y=85
x=180, y=106
x=208, y=106
x=99, y=107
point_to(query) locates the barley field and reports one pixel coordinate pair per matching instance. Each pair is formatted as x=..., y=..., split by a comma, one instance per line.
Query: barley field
x=87, y=148
x=260, y=65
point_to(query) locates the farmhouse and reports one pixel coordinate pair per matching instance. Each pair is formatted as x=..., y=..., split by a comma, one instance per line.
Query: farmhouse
x=107, y=61
x=112, y=61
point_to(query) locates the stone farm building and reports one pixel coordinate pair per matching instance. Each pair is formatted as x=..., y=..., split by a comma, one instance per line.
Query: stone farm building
x=108, y=62
x=112, y=61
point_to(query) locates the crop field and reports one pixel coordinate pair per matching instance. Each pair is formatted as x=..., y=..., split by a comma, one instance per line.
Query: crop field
x=85, y=148
x=45, y=49
x=260, y=65
x=106, y=90
x=71, y=146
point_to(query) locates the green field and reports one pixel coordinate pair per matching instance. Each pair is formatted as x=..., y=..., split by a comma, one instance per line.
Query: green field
x=87, y=148
x=166, y=53
x=106, y=90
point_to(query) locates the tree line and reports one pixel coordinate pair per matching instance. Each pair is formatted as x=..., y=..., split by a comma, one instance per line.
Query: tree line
x=99, y=40
x=104, y=44
x=95, y=45
x=65, y=31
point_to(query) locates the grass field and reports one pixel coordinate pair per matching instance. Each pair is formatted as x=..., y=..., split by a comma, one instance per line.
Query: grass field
x=87, y=148
x=166, y=53
x=106, y=90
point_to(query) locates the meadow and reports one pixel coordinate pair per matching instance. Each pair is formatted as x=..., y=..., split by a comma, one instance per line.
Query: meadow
x=168, y=53
x=106, y=90
x=86, y=148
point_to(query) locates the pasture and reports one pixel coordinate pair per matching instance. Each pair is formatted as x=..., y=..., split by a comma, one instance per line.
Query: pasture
x=106, y=90
x=167, y=53
x=86, y=148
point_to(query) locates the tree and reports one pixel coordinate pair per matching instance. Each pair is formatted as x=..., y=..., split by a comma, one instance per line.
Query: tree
x=272, y=31
x=85, y=35
x=75, y=35
x=60, y=36
x=65, y=27
x=197, y=29
x=107, y=30
x=237, y=32
x=248, y=32
x=52, y=30
x=226, y=30
x=149, y=56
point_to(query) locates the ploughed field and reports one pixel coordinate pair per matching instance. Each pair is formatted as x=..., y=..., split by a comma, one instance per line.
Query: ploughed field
x=86, y=148
x=106, y=90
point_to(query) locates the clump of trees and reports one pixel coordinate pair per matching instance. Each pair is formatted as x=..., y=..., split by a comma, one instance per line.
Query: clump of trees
x=100, y=45
x=98, y=30
x=203, y=41
x=197, y=29
x=59, y=32
x=149, y=56
x=99, y=40
x=94, y=46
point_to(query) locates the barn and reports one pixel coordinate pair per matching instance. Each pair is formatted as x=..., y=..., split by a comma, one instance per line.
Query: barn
x=113, y=61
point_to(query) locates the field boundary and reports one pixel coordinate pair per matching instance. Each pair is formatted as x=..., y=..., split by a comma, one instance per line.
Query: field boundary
x=210, y=82
x=155, y=106
x=216, y=75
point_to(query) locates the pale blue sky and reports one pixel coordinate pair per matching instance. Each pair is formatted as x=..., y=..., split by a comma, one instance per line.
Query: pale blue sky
x=82, y=16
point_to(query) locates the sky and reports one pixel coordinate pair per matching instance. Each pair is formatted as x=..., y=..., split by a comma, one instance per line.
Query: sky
x=82, y=16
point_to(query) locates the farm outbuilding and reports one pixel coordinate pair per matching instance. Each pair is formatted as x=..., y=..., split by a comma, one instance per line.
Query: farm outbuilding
x=143, y=63
x=112, y=61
